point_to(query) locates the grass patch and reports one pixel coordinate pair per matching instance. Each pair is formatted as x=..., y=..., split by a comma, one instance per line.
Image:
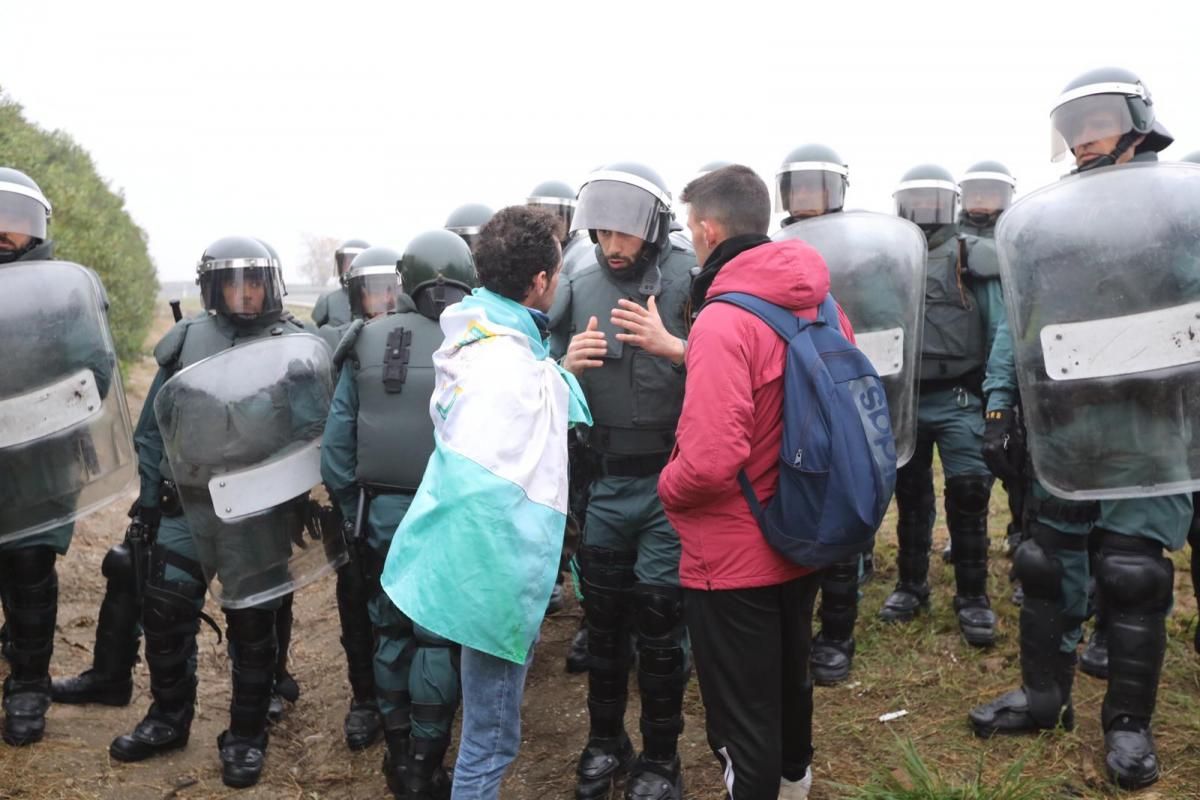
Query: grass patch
x=915, y=779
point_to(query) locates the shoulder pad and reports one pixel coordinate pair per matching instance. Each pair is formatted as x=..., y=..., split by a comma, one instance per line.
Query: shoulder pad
x=291, y=320
x=346, y=344
x=167, y=351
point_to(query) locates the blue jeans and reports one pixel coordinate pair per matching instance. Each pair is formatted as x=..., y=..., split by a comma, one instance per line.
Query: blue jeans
x=491, y=725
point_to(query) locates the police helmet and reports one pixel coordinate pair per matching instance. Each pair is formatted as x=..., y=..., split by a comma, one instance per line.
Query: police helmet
x=811, y=181
x=240, y=278
x=468, y=220
x=628, y=198
x=437, y=270
x=23, y=210
x=556, y=198
x=927, y=195
x=1100, y=104
x=373, y=282
x=346, y=252
x=987, y=189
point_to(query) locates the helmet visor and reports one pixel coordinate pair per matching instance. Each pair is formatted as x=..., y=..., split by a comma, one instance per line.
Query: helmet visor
x=986, y=196
x=373, y=291
x=607, y=205
x=809, y=193
x=342, y=259
x=244, y=292
x=561, y=209
x=1088, y=119
x=23, y=215
x=926, y=206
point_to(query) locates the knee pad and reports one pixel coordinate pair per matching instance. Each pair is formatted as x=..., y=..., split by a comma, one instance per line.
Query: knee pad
x=1134, y=576
x=1036, y=567
x=839, y=586
x=118, y=569
x=658, y=612
x=914, y=486
x=26, y=566
x=968, y=494
x=608, y=579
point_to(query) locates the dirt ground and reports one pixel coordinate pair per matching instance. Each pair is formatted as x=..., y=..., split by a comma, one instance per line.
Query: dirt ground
x=924, y=669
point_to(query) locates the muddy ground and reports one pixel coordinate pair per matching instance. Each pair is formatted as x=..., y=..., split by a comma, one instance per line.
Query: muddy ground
x=923, y=668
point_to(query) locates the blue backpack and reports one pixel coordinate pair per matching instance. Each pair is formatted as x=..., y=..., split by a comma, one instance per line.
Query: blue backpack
x=837, y=463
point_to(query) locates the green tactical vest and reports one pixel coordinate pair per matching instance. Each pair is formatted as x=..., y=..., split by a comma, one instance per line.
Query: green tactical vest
x=953, y=343
x=198, y=338
x=635, y=398
x=394, y=377
x=333, y=308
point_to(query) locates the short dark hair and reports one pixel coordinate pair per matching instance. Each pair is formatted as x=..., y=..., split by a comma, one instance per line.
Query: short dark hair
x=734, y=196
x=515, y=245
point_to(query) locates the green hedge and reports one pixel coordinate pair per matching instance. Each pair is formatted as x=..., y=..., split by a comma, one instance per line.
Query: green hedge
x=90, y=225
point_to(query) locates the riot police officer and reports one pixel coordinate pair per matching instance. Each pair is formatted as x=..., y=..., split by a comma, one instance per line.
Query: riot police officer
x=812, y=182
x=376, y=444
x=987, y=189
x=1103, y=117
x=241, y=289
x=333, y=307
x=626, y=313
x=56, y=463
x=373, y=290
x=961, y=311
x=467, y=220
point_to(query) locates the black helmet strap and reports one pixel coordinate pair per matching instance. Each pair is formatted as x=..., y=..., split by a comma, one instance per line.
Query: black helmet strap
x=1124, y=143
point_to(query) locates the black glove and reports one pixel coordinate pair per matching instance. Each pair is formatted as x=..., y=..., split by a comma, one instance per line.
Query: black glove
x=1004, y=444
x=150, y=517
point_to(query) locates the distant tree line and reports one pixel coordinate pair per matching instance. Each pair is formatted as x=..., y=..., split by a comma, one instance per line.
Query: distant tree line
x=90, y=224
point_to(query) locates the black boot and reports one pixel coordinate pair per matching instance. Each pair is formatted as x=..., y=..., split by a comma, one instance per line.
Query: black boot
x=171, y=618
x=1047, y=674
x=253, y=650
x=1135, y=586
x=833, y=648
x=30, y=588
x=577, y=653
x=110, y=680
x=914, y=530
x=966, y=516
x=427, y=778
x=363, y=724
x=650, y=779
x=286, y=690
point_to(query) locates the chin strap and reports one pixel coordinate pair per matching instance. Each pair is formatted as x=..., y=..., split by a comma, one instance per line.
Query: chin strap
x=1123, y=144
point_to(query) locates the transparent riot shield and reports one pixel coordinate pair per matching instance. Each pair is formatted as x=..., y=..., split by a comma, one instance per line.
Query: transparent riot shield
x=242, y=433
x=66, y=447
x=1101, y=275
x=877, y=274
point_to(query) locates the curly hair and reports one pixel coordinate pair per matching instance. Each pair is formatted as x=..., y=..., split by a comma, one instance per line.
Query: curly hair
x=515, y=245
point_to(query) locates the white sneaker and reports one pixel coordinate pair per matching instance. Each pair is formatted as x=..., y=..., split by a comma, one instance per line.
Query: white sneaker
x=796, y=790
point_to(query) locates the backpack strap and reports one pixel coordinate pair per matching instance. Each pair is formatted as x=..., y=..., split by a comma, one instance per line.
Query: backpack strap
x=781, y=320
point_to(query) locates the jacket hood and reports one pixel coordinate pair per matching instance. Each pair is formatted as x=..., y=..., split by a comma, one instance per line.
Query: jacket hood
x=791, y=274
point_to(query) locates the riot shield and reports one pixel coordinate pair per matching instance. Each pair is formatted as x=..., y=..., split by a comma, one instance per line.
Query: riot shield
x=877, y=274
x=1101, y=275
x=242, y=432
x=66, y=447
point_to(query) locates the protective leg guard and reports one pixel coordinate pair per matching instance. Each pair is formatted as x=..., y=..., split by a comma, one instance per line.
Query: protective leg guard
x=254, y=650
x=608, y=580
x=868, y=567
x=1135, y=584
x=914, y=532
x=397, y=739
x=833, y=648
x=966, y=516
x=661, y=673
x=171, y=618
x=426, y=777
x=110, y=680
x=286, y=689
x=1016, y=510
x=363, y=725
x=1047, y=674
x=30, y=586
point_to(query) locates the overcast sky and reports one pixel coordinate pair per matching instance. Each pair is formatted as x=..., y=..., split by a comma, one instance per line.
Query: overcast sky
x=375, y=120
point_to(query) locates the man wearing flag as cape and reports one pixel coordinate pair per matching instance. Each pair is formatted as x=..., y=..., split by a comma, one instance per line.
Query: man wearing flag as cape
x=491, y=509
